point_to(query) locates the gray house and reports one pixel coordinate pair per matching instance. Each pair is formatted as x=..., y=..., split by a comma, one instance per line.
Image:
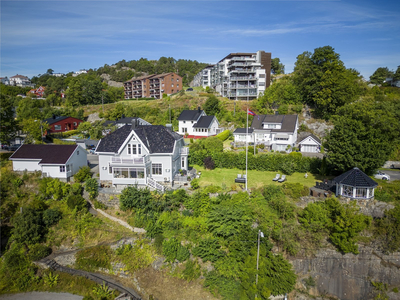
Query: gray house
x=142, y=155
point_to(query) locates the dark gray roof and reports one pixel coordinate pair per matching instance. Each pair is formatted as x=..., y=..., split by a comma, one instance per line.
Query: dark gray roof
x=356, y=178
x=156, y=138
x=48, y=154
x=113, y=141
x=190, y=115
x=126, y=120
x=54, y=120
x=204, y=122
x=288, y=122
x=305, y=135
x=242, y=130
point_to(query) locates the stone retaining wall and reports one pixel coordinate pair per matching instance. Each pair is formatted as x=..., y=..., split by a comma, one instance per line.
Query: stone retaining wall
x=369, y=207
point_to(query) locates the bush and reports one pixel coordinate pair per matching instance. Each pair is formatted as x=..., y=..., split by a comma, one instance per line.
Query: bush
x=195, y=184
x=170, y=249
x=208, y=250
x=134, y=198
x=209, y=163
x=83, y=174
x=192, y=270
x=182, y=254
x=92, y=187
x=76, y=201
x=51, y=217
x=38, y=251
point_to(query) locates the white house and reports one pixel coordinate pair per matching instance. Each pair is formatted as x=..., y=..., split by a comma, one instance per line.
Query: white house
x=57, y=161
x=276, y=132
x=196, y=124
x=142, y=155
x=20, y=80
x=309, y=143
x=4, y=80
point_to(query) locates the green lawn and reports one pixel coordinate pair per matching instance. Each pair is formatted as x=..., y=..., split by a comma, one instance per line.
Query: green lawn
x=256, y=179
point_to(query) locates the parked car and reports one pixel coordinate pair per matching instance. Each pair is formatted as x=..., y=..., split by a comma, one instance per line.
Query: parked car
x=189, y=89
x=382, y=176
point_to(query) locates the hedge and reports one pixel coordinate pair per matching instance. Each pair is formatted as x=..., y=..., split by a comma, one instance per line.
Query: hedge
x=223, y=135
x=288, y=164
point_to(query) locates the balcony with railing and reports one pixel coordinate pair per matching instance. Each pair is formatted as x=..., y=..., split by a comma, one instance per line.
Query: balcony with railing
x=116, y=161
x=184, y=151
x=242, y=86
x=236, y=78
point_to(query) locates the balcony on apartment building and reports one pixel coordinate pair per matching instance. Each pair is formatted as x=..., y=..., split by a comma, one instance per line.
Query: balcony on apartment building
x=242, y=86
x=243, y=93
x=242, y=70
x=238, y=78
x=239, y=64
x=242, y=58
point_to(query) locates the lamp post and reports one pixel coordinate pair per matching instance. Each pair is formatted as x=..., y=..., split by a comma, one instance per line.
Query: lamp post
x=260, y=235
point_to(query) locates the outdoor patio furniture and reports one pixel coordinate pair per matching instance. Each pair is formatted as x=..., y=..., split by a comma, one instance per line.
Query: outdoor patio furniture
x=240, y=179
x=283, y=178
x=276, y=177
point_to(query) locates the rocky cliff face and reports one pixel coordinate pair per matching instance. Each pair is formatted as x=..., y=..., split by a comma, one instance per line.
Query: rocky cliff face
x=349, y=276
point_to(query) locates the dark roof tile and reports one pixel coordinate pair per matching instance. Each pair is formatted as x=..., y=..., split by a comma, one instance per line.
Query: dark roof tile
x=190, y=115
x=48, y=154
x=356, y=178
x=204, y=122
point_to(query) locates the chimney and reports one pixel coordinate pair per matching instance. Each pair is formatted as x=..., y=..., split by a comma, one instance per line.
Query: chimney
x=134, y=123
x=198, y=108
x=54, y=116
x=169, y=127
x=123, y=116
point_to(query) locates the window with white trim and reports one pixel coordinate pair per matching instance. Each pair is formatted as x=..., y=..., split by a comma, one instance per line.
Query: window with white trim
x=129, y=149
x=62, y=169
x=156, y=169
x=57, y=127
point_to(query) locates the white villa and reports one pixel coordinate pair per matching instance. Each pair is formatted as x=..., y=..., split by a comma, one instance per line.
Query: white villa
x=276, y=132
x=143, y=155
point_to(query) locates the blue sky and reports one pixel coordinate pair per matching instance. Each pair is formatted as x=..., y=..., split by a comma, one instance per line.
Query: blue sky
x=71, y=35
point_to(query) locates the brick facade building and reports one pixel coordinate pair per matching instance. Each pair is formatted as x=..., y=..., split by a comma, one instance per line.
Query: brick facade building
x=153, y=86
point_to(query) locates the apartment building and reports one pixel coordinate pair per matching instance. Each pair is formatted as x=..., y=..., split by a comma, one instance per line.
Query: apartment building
x=153, y=86
x=238, y=76
x=203, y=77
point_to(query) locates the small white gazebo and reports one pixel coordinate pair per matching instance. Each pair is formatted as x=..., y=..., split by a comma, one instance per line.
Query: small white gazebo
x=355, y=184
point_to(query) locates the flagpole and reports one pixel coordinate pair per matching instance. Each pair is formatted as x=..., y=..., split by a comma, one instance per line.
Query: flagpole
x=247, y=134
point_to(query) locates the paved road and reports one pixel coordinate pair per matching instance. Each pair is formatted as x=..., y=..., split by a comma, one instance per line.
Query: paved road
x=41, y=296
x=394, y=175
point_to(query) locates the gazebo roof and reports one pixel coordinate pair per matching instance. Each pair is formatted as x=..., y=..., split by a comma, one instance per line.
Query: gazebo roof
x=356, y=178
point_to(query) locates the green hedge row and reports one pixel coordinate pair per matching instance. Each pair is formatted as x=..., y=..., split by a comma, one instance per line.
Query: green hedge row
x=288, y=164
x=223, y=135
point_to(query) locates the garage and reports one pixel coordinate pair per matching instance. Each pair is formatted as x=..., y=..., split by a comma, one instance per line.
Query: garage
x=309, y=148
x=310, y=144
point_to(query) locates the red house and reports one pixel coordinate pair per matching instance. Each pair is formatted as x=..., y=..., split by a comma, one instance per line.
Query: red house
x=61, y=124
x=38, y=92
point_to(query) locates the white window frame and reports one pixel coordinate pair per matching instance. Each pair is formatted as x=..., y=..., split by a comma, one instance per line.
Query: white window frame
x=62, y=169
x=156, y=168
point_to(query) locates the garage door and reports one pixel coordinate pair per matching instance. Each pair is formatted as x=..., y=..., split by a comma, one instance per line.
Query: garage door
x=308, y=148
